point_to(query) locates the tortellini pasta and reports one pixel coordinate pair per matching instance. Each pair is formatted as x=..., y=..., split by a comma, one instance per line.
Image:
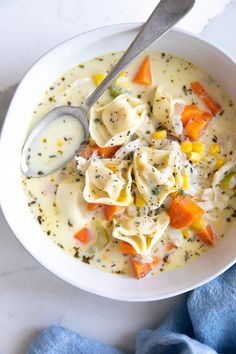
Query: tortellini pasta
x=157, y=174
x=114, y=123
x=141, y=232
x=70, y=202
x=167, y=111
x=108, y=181
x=213, y=197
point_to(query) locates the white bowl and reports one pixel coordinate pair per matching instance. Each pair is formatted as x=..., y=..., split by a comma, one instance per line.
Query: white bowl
x=14, y=205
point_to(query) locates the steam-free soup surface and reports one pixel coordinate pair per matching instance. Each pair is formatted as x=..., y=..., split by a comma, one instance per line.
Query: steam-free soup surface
x=203, y=170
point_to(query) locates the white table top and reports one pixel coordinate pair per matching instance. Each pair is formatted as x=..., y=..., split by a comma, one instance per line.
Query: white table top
x=31, y=298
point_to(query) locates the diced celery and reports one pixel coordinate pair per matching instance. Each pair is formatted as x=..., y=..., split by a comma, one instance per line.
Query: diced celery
x=229, y=181
x=115, y=91
x=102, y=237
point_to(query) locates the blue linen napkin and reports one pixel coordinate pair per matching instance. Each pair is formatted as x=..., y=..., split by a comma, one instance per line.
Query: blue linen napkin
x=203, y=323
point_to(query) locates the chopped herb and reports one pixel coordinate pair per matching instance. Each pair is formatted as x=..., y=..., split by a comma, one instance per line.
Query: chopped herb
x=133, y=137
x=156, y=190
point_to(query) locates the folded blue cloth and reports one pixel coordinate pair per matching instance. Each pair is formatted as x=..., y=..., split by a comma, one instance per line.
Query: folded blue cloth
x=203, y=323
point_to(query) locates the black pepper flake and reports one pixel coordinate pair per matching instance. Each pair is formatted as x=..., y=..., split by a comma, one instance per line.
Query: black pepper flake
x=70, y=223
x=165, y=259
x=40, y=219
x=87, y=259
x=214, y=139
x=40, y=173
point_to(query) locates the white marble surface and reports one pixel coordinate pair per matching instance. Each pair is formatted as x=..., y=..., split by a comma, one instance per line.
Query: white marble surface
x=30, y=297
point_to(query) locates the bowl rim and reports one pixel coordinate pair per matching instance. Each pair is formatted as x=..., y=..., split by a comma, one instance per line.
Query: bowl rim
x=7, y=217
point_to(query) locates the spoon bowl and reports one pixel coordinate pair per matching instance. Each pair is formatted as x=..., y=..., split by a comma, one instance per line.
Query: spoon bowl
x=33, y=150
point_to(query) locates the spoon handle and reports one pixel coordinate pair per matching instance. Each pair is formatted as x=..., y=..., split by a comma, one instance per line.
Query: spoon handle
x=165, y=15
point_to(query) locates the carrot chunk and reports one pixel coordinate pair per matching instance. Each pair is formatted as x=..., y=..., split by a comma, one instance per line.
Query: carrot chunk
x=207, y=235
x=190, y=112
x=183, y=212
x=127, y=248
x=170, y=246
x=155, y=261
x=213, y=106
x=111, y=210
x=92, y=206
x=85, y=153
x=83, y=235
x=144, y=73
x=105, y=152
x=140, y=269
x=194, y=129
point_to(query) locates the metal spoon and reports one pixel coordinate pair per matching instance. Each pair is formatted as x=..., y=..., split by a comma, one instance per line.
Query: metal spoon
x=165, y=15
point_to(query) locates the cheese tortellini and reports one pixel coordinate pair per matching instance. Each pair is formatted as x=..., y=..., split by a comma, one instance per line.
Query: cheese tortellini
x=141, y=232
x=157, y=174
x=167, y=111
x=108, y=181
x=70, y=202
x=213, y=197
x=114, y=123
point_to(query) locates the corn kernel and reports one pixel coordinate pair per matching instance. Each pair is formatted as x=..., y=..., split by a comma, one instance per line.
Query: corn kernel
x=123, y=196
x=112, y=167
x=195, y=157
x=186, y=147
x=173, y=194
x=60, y=143
x=198, y=147
x=185, y=182
x=98, y=78
x=160, y=135
x=199, y=225
x=122, y=74
x=219, y=162
x=207, y=158
x=139, y=201
x=185, y=233
x=152, y=147
x=214, y=149
x=132, y=200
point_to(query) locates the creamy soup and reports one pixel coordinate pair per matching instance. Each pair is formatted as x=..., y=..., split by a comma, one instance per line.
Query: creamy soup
x=55, y=144
x=155, y=186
